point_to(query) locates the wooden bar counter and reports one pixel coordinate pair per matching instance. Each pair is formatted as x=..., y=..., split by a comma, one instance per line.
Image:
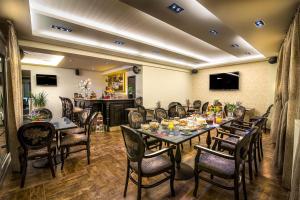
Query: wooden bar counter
x=113, y=110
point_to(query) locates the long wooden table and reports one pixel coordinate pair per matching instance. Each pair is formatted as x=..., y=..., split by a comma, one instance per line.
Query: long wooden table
x=183, y=171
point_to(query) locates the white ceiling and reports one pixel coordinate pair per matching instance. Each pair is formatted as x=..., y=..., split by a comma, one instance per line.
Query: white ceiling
x=153, y=33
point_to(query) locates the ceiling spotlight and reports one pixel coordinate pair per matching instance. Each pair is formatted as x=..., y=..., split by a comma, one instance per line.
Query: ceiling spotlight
x=61, y=28
x=235, y=45
x=259, y=23
x=213, y=32
x=175, y=8
x=119, y=42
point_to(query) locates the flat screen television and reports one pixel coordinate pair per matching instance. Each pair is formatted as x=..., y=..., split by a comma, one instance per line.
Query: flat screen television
x=47, y=80
x=224, y=81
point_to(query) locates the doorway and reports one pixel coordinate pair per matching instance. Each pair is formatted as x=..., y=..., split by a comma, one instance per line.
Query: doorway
x=131, y=87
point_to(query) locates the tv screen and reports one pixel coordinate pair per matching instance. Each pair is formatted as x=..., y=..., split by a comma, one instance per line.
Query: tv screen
x=43, y=79
x=224, y=81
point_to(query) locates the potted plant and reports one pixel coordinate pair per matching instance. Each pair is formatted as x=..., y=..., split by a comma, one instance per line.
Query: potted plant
x=130, y=92
x=231, y=107
x=39, y=100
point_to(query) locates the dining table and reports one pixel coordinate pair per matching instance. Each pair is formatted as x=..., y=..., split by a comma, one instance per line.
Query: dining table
x=177, y=137
x=59, y=123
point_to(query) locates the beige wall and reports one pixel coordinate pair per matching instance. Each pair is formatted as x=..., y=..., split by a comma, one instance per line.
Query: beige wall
x=165, y=85
x=257, y=85
x=67, y=84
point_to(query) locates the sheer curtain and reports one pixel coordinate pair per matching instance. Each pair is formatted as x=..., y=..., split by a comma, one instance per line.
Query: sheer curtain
x=287, y=101
x=14, y=92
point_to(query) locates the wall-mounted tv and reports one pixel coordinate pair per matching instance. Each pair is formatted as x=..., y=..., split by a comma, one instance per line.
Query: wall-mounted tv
x=224, y=81
x=46, y=80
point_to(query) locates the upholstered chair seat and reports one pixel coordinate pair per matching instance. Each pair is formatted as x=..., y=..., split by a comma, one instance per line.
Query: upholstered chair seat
x=153, y=166
x=218, y=166
x=37, y=153
x=74, y=139
x=74, y=131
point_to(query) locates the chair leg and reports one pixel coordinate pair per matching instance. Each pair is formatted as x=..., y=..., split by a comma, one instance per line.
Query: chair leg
x=199, y=138
x=236, y=188
x=196, y=182
x=255, y=159
x=88, y=153
x=250, y=164
x=51, y=165
x=126, y=180
x=258, y=149
x=23, y=172
x=139, y=196
x=244, y=183
x=172, y=181
x=62, y=157
x=54, y=158
x=190, y=142
x=261, y=146
x=181, y=146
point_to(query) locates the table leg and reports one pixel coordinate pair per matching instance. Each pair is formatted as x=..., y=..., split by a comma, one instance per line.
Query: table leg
x=183, y=171
x=208, y=139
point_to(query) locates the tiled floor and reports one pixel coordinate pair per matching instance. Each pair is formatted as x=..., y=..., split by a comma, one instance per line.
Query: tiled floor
x=104, y=177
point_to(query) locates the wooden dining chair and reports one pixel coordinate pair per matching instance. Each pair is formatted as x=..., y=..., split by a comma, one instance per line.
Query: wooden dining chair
x=197, y=105
x=135, y=120
x=204, y=107
x=160, y=114
x=71, y=140
x=233, y=133
x=230, y=167
x=146, y=164
x=239, y=113
x=83, y=123
x=36, y=141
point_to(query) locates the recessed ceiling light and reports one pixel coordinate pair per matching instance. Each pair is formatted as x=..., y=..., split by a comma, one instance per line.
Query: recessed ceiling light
x=175, y=8
x=259, y=23
x=213, y=32
x=235, y=45
x=119, y=42
x=61, y=28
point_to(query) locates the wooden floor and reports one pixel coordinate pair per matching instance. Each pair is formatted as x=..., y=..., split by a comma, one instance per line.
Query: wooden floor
x=104, y=177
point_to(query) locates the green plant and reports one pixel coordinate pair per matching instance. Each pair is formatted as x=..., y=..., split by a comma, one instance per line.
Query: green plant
x=39, y=99
x=231, y=107
x=130, y=90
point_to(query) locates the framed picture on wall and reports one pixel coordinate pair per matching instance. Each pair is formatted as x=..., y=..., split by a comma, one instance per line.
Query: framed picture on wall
x=116, y=81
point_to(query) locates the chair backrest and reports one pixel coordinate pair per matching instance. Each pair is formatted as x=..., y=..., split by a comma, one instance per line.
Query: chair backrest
x=69, y=108
x=160, y=114
x=197, y=104
x=239, y=113
x=43, y=113
x=135, y=146
x=138, y=101
x=242, y=147
x=172, y=111
x=173, y=104
x=181, y=111
x=91, y=120
x=135, y=119
x=218, y=103
x=268, y=111
x=83, y=117
x=143, y=111
x=63, y=106
x=204, y=107
x=36, y=135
